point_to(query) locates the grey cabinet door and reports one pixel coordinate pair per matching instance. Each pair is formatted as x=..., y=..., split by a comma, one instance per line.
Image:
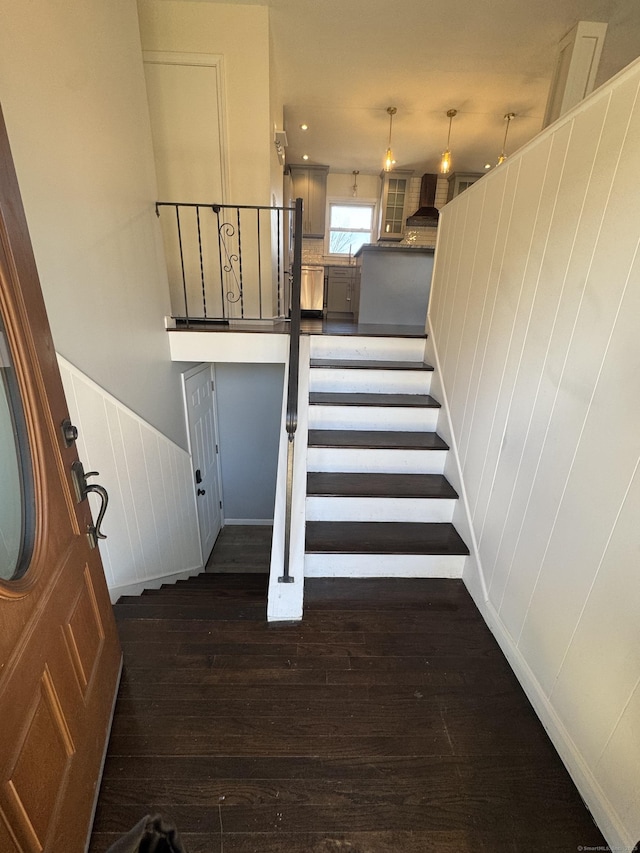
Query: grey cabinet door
x=340, y=290
x=310, y=184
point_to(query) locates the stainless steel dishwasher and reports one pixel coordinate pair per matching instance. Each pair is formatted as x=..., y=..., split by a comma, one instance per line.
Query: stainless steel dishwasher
x=312, y=290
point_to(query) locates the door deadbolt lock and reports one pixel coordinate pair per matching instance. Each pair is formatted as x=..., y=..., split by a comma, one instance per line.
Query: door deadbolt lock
x=201, y=492
x=69, y=432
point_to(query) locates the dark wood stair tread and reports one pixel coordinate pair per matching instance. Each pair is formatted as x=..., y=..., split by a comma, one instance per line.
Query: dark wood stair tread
x=414, y=401
x=375, y=537
x=379, y=485
x=370, y=364
x=376, y=439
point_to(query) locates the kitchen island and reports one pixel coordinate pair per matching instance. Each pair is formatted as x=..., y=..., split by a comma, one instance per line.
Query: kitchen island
x=395, y=283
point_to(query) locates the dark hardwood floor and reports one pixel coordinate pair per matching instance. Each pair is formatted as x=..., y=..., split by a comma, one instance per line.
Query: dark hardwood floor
x=388, y=720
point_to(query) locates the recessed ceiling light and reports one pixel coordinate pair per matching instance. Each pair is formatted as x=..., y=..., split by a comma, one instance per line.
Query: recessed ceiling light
x=304, y=127
x=487, y=165
x=305, y=156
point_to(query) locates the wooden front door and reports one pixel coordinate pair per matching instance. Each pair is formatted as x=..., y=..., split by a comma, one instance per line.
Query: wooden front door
x=59, y=651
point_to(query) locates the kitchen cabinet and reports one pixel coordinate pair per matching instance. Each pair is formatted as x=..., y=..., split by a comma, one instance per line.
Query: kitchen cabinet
x=340, y=290
x=394, y=204
x=461, y=181
x=310, y=184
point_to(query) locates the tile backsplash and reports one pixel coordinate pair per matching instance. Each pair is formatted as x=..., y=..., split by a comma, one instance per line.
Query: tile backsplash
x=414, y=236
x=313, y=248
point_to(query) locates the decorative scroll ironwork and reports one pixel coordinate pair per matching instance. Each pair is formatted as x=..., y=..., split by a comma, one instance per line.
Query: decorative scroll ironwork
x=226, y=229
x=240, y=258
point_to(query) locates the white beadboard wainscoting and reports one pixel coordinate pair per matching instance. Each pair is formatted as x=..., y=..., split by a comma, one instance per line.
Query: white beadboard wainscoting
x=151, y=522
x=534, y=321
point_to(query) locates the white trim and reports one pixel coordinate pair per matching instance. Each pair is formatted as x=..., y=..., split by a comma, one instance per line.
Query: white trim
x=152, y=583
x=348, y=200
x=384, y=565
x=208, y=60
x=152, y=522
x=603, y=812
x=468, y=533
x=230, y=347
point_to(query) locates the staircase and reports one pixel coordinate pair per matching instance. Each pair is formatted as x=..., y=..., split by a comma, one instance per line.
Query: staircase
x=378, y=504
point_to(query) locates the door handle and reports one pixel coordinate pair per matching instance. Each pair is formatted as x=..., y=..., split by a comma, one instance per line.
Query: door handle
x=93, y=530
x=82, y=489
x=198, y=476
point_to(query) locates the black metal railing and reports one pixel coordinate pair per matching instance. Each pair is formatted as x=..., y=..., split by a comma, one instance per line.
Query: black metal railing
x=227, y=261
x=292, y=383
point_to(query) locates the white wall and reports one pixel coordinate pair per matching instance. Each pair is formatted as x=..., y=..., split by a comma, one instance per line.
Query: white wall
x=72, y=90
x=534, y=311
x=240, y=34
x=151, y=521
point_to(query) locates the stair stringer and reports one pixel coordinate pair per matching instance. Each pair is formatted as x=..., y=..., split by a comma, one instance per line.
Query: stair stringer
x=285, y=600
x=472, y=574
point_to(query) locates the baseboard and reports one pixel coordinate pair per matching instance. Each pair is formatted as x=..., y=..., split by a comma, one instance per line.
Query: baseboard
x=258, y=522
x=591, y=792
x=139, y=587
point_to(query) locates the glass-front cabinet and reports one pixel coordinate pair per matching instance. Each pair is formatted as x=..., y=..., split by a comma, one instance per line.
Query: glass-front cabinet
x=461, y=181
x=393, y=206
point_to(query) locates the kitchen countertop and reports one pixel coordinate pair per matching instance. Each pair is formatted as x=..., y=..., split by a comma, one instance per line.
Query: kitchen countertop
x=394, y=247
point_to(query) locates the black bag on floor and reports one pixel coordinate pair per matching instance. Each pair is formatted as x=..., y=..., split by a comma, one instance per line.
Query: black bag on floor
x=153, y=834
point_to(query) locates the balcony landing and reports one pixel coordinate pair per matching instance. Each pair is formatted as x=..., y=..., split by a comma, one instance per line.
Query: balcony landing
x=308, y=326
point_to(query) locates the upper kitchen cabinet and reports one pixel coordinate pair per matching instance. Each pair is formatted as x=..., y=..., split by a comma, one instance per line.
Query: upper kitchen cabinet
x=461, y=181
x=393, y=204
x=310, y=184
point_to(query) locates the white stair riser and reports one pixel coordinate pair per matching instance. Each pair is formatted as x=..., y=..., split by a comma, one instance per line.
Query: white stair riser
x=383, y=566
x=373, y=418
x=330, y=508
x=365, y=381
x=379, y=349
x=375, y=461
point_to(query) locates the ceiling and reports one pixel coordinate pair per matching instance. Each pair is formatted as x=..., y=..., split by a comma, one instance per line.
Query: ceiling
x=340, y=63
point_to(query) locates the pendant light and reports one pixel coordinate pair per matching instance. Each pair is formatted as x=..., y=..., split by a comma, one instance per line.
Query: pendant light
x=389, y=162
x=445, y=163
x=509, y=118
x=354, y=188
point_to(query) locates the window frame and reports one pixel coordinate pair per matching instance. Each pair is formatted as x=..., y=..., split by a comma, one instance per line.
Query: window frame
x=371, y=203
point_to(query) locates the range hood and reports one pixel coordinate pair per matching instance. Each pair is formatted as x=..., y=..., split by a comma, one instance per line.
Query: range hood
x=426, y=214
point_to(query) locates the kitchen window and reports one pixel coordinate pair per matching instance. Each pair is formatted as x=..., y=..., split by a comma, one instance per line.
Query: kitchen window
x=350, y=227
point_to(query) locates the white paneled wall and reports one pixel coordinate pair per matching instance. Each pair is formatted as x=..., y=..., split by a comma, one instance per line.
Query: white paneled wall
x=151, y=521
x=535, y=313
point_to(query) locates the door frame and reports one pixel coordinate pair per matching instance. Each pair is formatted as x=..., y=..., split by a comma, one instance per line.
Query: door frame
x=208, y=60
x=188, y=374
